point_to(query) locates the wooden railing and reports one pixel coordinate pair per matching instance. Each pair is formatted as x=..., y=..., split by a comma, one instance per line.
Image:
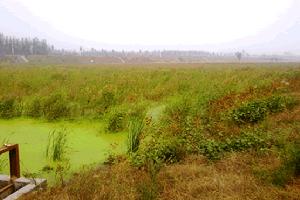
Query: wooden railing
x=14, y=159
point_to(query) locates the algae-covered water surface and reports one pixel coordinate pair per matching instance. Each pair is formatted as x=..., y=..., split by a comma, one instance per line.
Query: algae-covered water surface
x=87, y=142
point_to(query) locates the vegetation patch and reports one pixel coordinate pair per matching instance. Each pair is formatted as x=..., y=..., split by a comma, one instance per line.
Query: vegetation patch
x=257, y=110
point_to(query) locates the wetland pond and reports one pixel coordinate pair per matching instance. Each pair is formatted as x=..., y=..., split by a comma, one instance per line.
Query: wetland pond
x=87, y=143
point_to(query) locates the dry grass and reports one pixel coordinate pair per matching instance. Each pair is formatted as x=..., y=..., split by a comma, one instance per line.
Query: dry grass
x=193, y=178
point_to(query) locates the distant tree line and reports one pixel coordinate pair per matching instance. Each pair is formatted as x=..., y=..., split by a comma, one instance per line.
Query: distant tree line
x=10, y=45
x=23, y=46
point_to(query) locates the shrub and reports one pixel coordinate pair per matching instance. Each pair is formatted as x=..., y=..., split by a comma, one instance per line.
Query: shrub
x=246, y=141
x=7, y=109
x=157, y=150
x=116, y=121
x=251, y=112
x=55, y=107
x=213, y=149
x=255, y=111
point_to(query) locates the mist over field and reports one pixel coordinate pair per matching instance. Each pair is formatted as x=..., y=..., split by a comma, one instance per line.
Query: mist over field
x=254, y=26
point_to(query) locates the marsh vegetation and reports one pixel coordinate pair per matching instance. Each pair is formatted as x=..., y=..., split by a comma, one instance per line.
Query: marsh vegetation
x=191, y=131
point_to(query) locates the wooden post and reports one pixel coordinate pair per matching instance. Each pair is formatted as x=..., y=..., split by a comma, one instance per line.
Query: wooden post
x=14, y=162
x=14, y=159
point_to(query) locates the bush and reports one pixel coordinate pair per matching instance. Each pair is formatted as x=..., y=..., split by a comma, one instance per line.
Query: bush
x=7, y=108
x=55, y=107
x=251, y=112
x=116, y=121
x=255, y=111
x=158, y=150
x=213, y=149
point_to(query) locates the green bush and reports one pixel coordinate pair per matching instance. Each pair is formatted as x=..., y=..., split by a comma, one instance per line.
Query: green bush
x=213, y=149
x=255, y=111
x=7, y=108
x=55, y=107
x=251, y=112
x=158, y=150
x=116, y=121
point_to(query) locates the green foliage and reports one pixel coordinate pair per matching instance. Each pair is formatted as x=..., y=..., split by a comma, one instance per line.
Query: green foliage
x=158, y=149
x=34, y=108
x=277, y=103
x=7, y=108
x=177, y=117
x=57, y=145
x=134, y=133
x=116, y=121
x=257, y=110
x=290, y=166
x=213, y=149
x=106, y=101
x=55, y=107
x=251, y=112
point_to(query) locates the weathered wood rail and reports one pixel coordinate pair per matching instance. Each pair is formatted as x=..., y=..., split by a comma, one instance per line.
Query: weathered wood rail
x=14, y=159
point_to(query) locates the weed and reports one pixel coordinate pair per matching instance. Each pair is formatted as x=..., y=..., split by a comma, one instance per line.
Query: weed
x=57, y=145
x=7, y=109
x=290, y=166
x=116, y=121
x=55, y=107
x=251, y=112
x=134, y=132
x=34, y=108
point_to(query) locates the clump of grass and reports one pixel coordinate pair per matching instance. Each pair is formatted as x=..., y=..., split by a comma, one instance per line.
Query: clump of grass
x=57, y=145
x=34, y=108
x=148, y=190
x=133, y=139
x=55, y=107
x=290, y=166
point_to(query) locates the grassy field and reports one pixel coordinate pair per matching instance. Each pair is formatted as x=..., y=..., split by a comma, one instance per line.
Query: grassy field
x=192, y=131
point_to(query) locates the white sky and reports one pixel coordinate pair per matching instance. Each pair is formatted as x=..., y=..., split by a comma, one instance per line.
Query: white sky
x=155, y=22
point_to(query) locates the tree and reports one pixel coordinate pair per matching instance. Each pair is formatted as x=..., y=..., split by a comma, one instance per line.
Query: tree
x=238, y=55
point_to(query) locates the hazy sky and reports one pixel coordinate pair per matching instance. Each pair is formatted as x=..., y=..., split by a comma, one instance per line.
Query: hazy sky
x=155, y=22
